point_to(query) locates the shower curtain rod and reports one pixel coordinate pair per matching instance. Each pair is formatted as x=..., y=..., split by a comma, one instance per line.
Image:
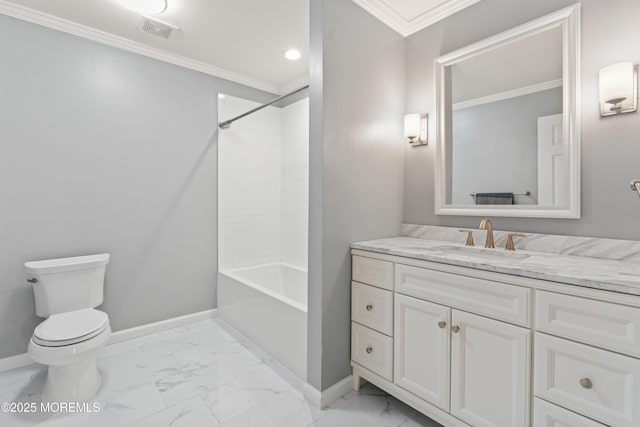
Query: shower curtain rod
x=227, y=123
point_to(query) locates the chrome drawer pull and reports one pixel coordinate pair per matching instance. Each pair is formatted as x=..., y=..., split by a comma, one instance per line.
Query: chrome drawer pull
x=369, y=307
x=442, y=324
x=369, y=349
x=586, y=383
x=455, y=329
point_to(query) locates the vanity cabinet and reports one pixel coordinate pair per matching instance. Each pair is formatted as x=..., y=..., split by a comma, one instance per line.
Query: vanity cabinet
x=474, y=367
x=474, y=348
x=586, y=357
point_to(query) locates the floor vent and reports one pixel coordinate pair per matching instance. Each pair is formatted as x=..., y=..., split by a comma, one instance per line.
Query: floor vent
x=157, y=28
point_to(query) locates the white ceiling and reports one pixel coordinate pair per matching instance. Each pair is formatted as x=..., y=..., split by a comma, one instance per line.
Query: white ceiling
x=241, y=40
x=410, y=16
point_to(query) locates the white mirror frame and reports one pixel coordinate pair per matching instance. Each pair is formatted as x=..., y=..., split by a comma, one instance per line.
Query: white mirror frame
x=569, y=20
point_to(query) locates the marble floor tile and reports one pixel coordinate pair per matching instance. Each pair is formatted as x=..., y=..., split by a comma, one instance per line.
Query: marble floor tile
x=290, y=409
x=263, y=384
x=229, y=400
x=19, y=385
x=120, y=409
x=190, y=413
x=199, y=375
x=255, y=417
x=122, y=371
x=186, y=378
x=369, y=407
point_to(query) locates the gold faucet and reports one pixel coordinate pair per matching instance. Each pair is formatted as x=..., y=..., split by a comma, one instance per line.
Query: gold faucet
x=469, y=237
x=486, y=224
x=510, y=246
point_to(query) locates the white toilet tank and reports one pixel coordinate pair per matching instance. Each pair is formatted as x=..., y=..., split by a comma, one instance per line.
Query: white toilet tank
x=66, y=284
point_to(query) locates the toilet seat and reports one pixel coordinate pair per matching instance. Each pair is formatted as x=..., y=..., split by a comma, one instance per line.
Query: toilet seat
x=70, y=328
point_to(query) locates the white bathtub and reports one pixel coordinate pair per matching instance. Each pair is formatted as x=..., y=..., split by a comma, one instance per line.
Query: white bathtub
x=268, y=304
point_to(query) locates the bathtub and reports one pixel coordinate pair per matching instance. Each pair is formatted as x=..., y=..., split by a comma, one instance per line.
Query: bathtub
x=268, y=304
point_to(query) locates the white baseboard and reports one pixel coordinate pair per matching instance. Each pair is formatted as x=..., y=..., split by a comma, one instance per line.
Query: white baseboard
x=20, y=360
x=16, y=361
x=163, y=325
x=321, y=399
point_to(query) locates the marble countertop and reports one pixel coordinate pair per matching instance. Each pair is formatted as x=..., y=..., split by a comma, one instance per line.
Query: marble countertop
x=598, y=273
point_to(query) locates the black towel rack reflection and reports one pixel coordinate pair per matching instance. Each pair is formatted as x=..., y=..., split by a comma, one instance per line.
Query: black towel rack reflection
x=526, y=193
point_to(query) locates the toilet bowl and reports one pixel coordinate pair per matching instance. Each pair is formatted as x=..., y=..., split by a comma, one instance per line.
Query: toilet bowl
x=67, y=343
x=66, y=292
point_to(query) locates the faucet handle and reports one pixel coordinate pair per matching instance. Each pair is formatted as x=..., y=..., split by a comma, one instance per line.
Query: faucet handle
x=510, y=246
x=469, y=241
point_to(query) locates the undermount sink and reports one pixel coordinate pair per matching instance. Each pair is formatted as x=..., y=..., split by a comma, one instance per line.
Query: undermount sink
x=492, y=254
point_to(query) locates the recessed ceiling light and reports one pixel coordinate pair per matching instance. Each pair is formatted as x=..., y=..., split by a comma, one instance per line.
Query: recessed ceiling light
x=292, y=54
x=146, y=7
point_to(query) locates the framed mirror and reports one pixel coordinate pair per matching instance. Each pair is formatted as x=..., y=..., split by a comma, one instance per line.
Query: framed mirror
x=508, y=122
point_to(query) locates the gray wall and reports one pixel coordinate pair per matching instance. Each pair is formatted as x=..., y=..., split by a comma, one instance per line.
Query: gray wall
x=102, y=150
x=356, y=163
x=610, y=147
x=495, y=146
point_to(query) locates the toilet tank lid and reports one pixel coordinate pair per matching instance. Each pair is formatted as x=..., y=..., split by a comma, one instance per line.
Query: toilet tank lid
x=66, y=264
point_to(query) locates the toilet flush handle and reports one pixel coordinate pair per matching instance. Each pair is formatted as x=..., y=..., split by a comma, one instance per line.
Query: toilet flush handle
x=34, y=280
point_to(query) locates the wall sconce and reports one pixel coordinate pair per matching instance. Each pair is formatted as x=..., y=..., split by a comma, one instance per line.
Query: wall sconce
x=618, y=89
x=415, y=129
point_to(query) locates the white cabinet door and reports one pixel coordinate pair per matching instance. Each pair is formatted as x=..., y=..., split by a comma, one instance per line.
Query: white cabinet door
x=421, y=349
x=490, y=371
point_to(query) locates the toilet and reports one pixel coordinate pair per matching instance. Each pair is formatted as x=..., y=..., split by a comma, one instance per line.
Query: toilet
x=66, y=292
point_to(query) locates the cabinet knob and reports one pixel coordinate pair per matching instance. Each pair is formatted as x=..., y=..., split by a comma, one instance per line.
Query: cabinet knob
x=369, y=307
x=586, y=383
x=455, y=329
x=442, y=324
x=369, y=349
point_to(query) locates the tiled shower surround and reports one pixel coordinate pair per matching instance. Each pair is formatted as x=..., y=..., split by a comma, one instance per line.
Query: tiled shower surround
x=263, y=181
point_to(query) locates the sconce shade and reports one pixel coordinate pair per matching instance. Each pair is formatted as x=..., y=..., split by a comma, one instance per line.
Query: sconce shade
x=412, y=125
x=415, y=128
x=618, y=89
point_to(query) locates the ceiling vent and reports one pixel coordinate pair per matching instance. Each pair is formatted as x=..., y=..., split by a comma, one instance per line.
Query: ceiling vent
x=157, y=28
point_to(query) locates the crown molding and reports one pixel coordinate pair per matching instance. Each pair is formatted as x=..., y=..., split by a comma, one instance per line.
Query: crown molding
x=438, y=14
x=538, y=87
x=386, y=14
x=405, y=27
x=294, y=84
x=70, y=27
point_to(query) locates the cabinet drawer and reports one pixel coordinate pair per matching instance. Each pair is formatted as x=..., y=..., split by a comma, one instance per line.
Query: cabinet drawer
x=602, y=385
x=546, y=414
x=372, y=307
x=372, y=350
x=492, y=299
x=372, y=272
x=612, y=326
